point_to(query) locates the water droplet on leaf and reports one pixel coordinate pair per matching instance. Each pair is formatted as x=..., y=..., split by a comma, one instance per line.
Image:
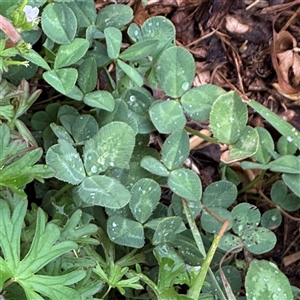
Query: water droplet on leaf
x=185, y=86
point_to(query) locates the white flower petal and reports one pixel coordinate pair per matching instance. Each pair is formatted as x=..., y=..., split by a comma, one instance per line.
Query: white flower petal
x=31, y=13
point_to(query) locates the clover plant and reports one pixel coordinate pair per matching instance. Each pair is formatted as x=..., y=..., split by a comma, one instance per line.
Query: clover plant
x=102, y=229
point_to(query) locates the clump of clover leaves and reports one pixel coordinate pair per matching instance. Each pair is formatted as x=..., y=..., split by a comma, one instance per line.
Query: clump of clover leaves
x=256, y=239
x=103, y=152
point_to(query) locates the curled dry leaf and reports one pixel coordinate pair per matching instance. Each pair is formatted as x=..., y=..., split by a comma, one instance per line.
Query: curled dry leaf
x=286, y=62
x=234, y=25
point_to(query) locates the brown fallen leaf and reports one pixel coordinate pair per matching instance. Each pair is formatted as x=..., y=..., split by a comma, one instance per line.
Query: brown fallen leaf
x=286, y=61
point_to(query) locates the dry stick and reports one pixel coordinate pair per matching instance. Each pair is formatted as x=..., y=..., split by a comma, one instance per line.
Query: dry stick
x=236, y=57
x=227, y=287
x=252, y=4
x=290, y=259
x=278, y=207
x=202, y=38
x=291, y=20
x=291, y=245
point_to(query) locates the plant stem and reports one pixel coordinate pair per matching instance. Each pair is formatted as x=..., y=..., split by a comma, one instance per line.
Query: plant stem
x=203, y=136
x=194, y=229
x=57, y=194
x=148, y=281
x=8, y=283
x=195, y=290
x=252, y=183
x=200, y=245
x=271, y=180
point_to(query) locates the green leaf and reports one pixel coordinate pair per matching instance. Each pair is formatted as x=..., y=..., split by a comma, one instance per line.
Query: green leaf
x=286, y=129
x=265, y=281
x=185, y=183
x=92, y=33
x=114, y=15
x=175, y=71
x=87, y=75
x=166, y=230
x=75, y=94
x=292, y=181
x=132, y=73
x=194, y=206
x=41, y=119
x=113, y=38
x=61, y=133
x=272, y=218
x=4, y=141
x=104, y=191
x=210, y=223
x=286, y=164
x=228, y=118
x=66, y=161
x=5, y=274
x=71, y=53
x=233, y=277
x=279, y=196
x=85, y=12
x=246, y=165
x=265, y=146
x=245, y=216
x=160, y=28
x=35, y=58
x=168, y=276
x=155, y=28
x=259, y=240
x=100, y=99
x=285, y=147
x=23, y=171
x=291, y=202
x=119, y=113
x=145, y=197
x=188, y=250
x=59, y=23
x=125, y=232
x=167, y=116
x=197, y=102
x=139, y=100
x=278, y=192
x=67, y=115
x=43, y=249
x=220, y=193
x=62, y=80
x=54, y=287
x=176, y=149
x=74, y=229
x=7, y=111
x=139, y=50
x=112, y=146
x=10, y=233
x=245, y=146
x=230, y=241
x=84, y=127
x=154, y=166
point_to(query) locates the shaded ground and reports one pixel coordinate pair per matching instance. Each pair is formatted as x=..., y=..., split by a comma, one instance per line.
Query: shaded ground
x=252, y=47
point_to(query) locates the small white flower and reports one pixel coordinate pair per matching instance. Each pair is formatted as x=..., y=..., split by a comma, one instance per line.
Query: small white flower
x=31, y=13
x=25, y=63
